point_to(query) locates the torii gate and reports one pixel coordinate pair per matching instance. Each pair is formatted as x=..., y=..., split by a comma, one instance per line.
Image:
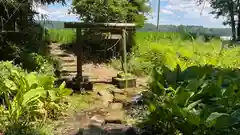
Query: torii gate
x=106, y=27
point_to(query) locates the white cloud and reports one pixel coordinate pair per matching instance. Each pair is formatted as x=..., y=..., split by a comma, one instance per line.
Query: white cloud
x=175, y=12
x=165, y=11
x=56, y=12
x=189, y=13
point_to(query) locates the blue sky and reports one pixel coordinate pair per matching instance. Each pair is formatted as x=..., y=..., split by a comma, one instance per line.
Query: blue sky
x=174, y=12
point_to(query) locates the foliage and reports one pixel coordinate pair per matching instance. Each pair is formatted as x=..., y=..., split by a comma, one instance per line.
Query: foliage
x=194, y=86
x=38, y=63
x=62, y=36
x=28, y=98
x=170, y=49
x=115, y=11
x=197, y=100
x=18, y=19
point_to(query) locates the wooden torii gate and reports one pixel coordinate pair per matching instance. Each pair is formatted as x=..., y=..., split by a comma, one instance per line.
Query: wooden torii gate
x=105, y=27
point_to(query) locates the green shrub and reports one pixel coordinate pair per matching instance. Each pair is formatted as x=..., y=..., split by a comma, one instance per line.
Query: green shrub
x=184, y=53
x=39, y=63
x=28, y=97
x=197, y=100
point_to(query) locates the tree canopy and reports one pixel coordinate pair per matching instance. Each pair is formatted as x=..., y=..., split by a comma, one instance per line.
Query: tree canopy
x=115, y=11
x=20, y=12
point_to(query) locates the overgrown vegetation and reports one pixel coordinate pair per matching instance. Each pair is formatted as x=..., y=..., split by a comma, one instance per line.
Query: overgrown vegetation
x=197, y=100
x=195, y=80
x=28, y=98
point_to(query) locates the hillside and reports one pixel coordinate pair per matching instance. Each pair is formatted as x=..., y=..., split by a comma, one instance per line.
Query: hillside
x=163, y=28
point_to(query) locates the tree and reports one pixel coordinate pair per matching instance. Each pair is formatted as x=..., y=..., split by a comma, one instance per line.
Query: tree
x=238, y=20
x=228, y=9
x=125, y=11
x=28, y=37
x=20, y=12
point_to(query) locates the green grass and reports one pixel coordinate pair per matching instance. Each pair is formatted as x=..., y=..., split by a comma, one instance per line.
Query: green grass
x=62, y=36
x=154, y=48
x=69, y=35
x=167, y=48
x=156, y=36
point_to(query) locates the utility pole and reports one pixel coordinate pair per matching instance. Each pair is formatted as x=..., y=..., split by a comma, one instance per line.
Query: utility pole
x=158, y=14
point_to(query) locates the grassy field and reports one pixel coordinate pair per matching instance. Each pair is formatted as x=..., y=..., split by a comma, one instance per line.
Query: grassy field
x=68, y=35
x=62, y=35
x=168, y=48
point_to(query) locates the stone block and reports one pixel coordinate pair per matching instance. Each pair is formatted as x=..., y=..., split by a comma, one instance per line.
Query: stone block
x=122, y=83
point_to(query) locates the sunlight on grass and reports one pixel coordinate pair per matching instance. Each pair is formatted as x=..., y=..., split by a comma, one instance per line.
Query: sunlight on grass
x=81, y=101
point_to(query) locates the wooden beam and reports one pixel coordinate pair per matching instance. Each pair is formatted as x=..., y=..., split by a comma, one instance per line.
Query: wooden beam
x=112, y=30
x=99, y=25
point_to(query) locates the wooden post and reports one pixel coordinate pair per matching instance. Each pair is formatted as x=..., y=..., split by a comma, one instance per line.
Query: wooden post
x=124, y=50
x=79, y=54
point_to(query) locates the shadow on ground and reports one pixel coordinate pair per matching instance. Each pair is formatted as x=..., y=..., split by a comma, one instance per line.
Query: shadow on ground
x=108, y=129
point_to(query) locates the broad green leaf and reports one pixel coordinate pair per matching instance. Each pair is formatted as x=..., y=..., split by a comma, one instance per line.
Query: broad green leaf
x=229, y=91
x=62, y=86
x=64, y=92
x=192, y=105
x=32, y=94
x=192, y=116
x=218, y=120
x=32, y=79
x=46, y=81
x=193, y=85
x=52, y=95
x=236, y=116
x=182, y=97
x=10, y=84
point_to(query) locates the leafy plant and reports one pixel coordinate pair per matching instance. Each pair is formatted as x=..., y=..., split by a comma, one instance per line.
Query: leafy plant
x=28, y=97
x=197, y=100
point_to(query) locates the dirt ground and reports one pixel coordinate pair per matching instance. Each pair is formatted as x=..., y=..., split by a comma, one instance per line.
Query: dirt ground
x=95, y=103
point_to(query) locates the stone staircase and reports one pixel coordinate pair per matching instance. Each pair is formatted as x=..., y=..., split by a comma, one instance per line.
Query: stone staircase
x=68, y=62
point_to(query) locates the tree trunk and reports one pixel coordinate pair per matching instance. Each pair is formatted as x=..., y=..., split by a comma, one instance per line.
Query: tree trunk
x=238, y=23
x=233, y=24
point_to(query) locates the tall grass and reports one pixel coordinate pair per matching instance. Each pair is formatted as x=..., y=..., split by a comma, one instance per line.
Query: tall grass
x=62, y=36
x=170, y=49
x=167, y=48
x=156, y=36
x=69, y=35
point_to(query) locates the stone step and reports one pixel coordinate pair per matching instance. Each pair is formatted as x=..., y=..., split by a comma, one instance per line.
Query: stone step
x=67, y=77
x=63, y=55
x=69, y=68
x=68, y=74
x=72, y=64
x=56, y=49
x=116, y=116
x=67, y=59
